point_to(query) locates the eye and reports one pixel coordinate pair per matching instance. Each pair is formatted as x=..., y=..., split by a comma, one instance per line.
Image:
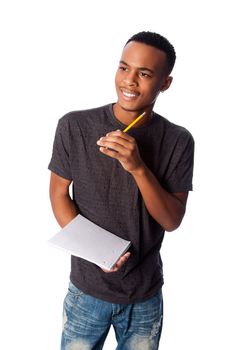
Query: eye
x=123, y=69
x=144, y=75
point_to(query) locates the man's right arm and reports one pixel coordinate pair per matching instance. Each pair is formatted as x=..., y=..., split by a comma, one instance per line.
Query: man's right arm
x=63, y=206
x=65, y=210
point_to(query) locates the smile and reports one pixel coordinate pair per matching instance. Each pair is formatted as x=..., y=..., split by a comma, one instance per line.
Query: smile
x=129, y=94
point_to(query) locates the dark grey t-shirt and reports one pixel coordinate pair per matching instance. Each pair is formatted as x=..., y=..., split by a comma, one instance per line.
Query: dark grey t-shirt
x=108, y=195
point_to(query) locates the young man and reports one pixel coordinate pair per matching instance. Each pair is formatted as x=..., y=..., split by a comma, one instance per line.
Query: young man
x=133, y=184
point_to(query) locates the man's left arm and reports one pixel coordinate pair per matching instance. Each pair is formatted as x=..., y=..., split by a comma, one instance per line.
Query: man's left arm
x=166, y=208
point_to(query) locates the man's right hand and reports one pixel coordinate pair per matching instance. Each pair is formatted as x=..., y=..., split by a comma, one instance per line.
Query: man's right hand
x=123, y=259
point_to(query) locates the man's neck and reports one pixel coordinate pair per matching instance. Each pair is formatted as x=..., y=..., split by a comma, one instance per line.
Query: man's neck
x=126, y=117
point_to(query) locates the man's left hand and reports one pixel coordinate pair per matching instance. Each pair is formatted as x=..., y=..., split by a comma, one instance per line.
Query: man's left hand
x=122, y=147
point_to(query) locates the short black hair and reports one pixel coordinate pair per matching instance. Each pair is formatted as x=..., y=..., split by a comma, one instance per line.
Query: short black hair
x=159, y=42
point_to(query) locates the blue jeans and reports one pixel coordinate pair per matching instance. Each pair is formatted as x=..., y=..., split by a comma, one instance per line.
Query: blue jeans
x=87, y=320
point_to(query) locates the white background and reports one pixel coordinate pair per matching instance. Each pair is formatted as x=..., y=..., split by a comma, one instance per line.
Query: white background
x=58, y=56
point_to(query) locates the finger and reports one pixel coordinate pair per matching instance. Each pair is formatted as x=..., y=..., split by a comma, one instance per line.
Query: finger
x=119, y=263
x=121, y=134
x=122, y=260
x=105, y=270
x=118, y=139
x=116, y=143
x=114, y=151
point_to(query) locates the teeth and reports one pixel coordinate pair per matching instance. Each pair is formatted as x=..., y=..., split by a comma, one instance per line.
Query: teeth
x=128, y=94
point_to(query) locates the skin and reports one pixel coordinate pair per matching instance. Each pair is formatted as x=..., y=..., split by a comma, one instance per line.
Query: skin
x=140, y=77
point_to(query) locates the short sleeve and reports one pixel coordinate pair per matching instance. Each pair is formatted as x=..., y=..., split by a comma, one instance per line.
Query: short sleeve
x=180, y=174
x=60, y=161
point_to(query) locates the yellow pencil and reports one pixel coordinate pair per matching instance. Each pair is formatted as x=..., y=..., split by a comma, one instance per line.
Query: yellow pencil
x=134, y=122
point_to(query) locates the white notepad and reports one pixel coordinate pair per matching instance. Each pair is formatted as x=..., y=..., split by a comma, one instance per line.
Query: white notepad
x=84, y=239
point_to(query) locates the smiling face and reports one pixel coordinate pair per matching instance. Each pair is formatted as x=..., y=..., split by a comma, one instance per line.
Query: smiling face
x=140, y=77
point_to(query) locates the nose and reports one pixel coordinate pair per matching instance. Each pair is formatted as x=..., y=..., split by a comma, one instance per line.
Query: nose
x=131, y=79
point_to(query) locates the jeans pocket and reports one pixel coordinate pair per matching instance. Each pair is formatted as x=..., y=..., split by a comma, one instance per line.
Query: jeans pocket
x=74, y=290
x=70, y=307
x=72, y=297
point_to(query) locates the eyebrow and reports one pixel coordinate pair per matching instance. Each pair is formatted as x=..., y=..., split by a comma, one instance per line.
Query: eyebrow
x=139, y=68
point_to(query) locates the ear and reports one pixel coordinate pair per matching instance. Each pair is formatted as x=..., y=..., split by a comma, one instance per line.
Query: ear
x=166, y=83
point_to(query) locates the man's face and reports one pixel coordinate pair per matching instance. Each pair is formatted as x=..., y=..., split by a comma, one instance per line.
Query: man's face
x=140, y=76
